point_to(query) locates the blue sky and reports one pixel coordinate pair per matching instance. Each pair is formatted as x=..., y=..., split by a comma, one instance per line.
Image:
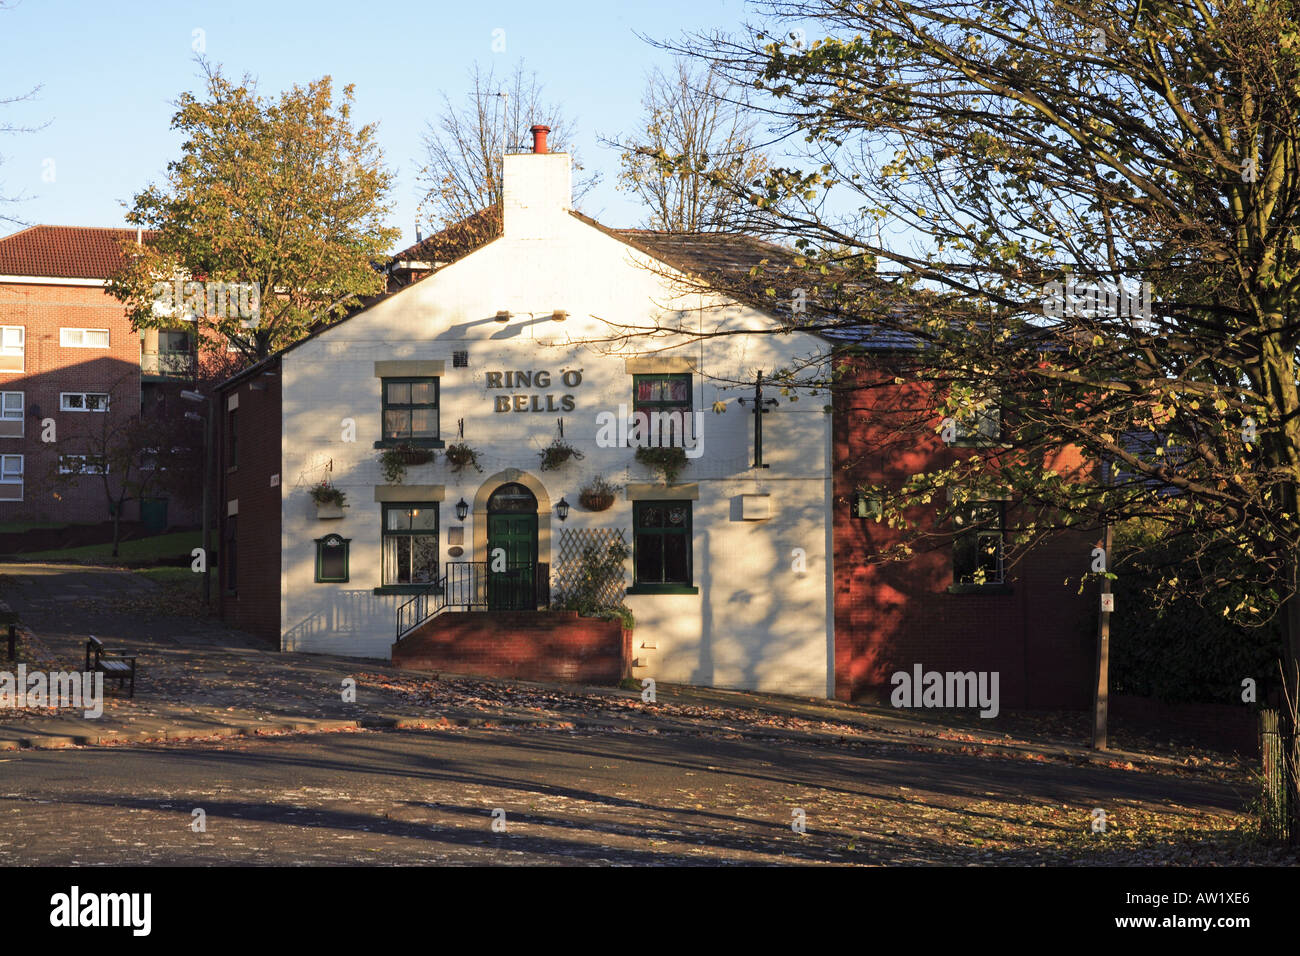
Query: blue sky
x=109, y=73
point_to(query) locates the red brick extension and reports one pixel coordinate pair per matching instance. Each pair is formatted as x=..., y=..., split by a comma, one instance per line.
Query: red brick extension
x=1040, y=637
x=529, y=645
x=254, y=602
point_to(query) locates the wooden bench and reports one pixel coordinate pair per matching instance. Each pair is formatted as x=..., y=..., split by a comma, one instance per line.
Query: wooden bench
x=113, y=666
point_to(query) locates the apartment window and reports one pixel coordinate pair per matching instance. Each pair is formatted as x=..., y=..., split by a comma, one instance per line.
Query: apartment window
x=82, y=465
x=668, y=396
x=410, y=408
x=83, y=338
x=230, y=552
x=977, y=544
x=12, y=348
x=979, y=423
x=410, y=543
x=332, y=559
x=11, y=414
x=661, y=545
x=83, y=402
x=232, y=438
x=11, y=477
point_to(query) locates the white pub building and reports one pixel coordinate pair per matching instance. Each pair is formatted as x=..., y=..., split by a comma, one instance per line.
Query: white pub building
x=464, y=419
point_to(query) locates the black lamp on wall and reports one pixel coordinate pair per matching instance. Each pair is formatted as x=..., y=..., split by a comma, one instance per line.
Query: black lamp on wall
x=562, y=509
x=462, y=509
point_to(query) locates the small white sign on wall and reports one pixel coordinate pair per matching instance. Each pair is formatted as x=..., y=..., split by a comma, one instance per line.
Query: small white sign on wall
x=1107, y=603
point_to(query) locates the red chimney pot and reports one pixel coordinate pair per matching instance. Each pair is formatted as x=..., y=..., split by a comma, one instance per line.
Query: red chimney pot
x=539, y=138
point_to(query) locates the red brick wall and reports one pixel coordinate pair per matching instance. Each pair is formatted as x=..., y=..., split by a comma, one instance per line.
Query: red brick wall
x=51, y=369
x=529, y=645
x=254, y=605
x=890, y=616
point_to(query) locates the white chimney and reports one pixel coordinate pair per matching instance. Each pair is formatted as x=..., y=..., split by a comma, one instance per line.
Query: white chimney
x=538, y=190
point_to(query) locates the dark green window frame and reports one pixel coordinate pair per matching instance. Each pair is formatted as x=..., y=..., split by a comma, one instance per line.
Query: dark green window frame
x=655, y=584
x=421, y=441
x=978, y=543
x=331, y=541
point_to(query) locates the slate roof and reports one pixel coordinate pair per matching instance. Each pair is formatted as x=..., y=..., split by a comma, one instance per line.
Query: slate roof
x=64, y=252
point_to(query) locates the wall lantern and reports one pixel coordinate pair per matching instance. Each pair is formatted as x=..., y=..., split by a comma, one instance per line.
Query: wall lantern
x=562, y=509
x=559, y=315
x=462, y=509
x=864, y=506
x=503, y=316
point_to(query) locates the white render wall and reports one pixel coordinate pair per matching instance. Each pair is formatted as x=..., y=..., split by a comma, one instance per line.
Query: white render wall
x=755, y=624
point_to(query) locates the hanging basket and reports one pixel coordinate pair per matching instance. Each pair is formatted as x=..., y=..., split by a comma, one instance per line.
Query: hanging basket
x=596, y=501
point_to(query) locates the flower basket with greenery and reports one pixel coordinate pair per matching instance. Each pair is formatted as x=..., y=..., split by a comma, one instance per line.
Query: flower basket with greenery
x=669, y=461
x=597, y=495
x=557, y=453
x=327, y=494
x=460, y=455
x=414, y=456
x=393, y=461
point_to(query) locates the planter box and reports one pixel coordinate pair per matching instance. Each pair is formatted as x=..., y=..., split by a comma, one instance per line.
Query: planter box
x=329, y=510
x=418, y=456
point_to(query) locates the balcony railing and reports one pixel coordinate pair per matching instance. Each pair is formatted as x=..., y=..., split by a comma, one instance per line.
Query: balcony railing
x=167, y=364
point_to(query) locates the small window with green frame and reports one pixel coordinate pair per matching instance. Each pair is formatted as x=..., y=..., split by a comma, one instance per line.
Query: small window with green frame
x=332, y=559
x=663, y=394
x=410, y=409
x=661, y=551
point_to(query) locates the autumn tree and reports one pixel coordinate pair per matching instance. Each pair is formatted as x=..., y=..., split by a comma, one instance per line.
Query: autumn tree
x=268, y=223
x=1094, y=208
x=694, y=155
x=464, y=145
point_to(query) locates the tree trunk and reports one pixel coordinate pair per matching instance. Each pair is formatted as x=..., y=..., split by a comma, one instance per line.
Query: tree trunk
x=117, y=525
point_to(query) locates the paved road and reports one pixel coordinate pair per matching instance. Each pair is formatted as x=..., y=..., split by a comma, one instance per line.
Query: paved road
x=406, y=797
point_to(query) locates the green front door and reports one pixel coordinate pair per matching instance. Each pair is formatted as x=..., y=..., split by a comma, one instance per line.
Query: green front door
x=512, y=549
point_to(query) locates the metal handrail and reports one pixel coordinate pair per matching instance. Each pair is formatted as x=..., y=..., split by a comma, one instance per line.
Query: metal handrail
x=465, y=584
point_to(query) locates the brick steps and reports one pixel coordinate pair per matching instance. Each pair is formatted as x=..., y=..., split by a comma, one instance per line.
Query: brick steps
x=528, y=645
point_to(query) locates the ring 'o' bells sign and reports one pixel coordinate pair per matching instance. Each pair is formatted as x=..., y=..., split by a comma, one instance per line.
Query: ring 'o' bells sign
x=540, y=379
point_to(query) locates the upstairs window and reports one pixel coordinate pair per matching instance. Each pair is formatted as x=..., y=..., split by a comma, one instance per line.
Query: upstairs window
x=410, y=408
x=83, y=338
x=82, y=465
x=83, y=402
x=978, y=422
x=666, y=402
x=12, y=348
